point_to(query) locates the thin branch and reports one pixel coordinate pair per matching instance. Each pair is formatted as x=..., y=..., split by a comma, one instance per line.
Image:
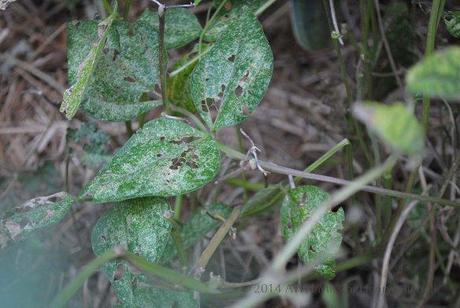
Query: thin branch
x=269, y=166
x=386, y=257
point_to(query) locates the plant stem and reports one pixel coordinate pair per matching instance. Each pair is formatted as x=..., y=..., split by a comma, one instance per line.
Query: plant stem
x=127, y=7
x=66, y=294
x=437, y=9
x=325, y=157
x=168, y=275
x=216, y=240
x=210, y=21
x=263, y=7
x=269, y=166
x=162, y=53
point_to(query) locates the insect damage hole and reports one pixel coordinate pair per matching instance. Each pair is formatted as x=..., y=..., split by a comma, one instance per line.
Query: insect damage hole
x=239, y=91
x=231, y=58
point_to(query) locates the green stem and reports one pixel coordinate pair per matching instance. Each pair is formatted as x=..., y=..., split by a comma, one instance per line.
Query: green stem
x=208, y=24
x=437, y=9
x=66, y=294
x=127, y=8
x=107, y=6
x=325, y=157
x=168, y=275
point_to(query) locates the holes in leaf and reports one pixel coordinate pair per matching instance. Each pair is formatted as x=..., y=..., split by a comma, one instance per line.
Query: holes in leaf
x=245, y=77
x=207, y=104
x=232, y=58
x=178, y=162
x=239, y=91
x=119, y=272
x=129, y=79
x=185, y=140
x=157, y=88
x=159, y=155
x=162, y=138
x=115, y=55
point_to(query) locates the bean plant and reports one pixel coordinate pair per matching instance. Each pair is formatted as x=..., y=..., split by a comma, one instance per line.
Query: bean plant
x=118, y=71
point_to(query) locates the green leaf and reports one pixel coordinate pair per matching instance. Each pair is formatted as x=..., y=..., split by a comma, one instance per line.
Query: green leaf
x=452, y=21
x=309, y=22
x=231, y=79
x=80, y=74
x=231, y=9
x=181, y=26
x=165, y=158
x=177, y=91
x=126, y=69
x=138, y=226
x=33, y=215
x=438, y=75
x=323, y=242
x=396, y=125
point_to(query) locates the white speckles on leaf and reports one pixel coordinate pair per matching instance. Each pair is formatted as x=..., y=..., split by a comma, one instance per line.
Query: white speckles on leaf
x=165, y=158
x=231, y=79
x=324, y=240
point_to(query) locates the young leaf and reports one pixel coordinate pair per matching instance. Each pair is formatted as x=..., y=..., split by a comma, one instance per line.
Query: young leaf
x=452, y=21
x=324, y=241
x=231, y=79
x=83, y=71
x=181, y=26
x=438, y=75
x=394, y=124
x=33, y=215
x=139, y=226
x=165, y=158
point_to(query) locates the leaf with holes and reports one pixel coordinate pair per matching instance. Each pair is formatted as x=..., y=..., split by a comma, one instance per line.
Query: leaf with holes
x=125, y=70
x=33, y=215
x=231, y=79
x=181, y=26
x=138, y=226
x=323, y=242
x=396, y=125
x=81, y=72
x=452, y=21
x=438, y=75
x=165, y=158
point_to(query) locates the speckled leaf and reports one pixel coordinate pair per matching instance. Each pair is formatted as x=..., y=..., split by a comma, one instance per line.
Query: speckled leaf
x=437, y=75
x=137, y=225
x=82, y=71
x=181, y=26
x=165, y=158
x=125, y=69
x=396, y=125
x=323, y=242
x=231, y=9
x=231, y=79
x=452, y=21
x=33, y=215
